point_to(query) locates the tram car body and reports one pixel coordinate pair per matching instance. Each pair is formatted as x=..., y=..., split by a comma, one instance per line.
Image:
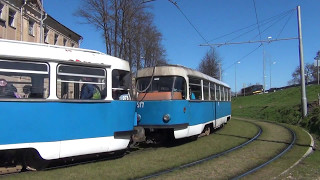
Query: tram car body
x=180, y=101
x=42, y=106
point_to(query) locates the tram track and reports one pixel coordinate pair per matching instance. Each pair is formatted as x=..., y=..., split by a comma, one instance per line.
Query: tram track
x=293, y=140
x=197, y=162
x=162, y=174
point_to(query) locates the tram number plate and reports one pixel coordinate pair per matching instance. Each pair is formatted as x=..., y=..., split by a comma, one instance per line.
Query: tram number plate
x=140, y=104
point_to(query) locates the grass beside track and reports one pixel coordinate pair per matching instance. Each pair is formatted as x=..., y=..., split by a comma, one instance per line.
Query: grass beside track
x=309, y=168
x=275, y=168
x=272, y=141
x=138, y=164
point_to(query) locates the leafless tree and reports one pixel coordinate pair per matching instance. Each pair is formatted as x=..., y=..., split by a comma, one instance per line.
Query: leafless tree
x=310, y=74
x=127, y=29
x=210, y=64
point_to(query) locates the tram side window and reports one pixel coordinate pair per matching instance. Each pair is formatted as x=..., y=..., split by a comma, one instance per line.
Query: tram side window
x=218, y=93
x=222, y=93
x=19, y=79
x=80, y=82
x=226, y=94
x=195, y=89
x=206, y=90
x=212, y=92
x=120, y=84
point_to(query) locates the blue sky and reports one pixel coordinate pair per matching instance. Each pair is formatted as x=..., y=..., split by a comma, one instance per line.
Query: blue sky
x=214, y=18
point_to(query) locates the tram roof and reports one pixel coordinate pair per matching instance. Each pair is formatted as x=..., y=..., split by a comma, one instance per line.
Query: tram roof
x=44, y=52
x=176, y=70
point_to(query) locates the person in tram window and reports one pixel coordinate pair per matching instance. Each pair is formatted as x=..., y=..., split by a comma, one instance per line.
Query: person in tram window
x=7, y=90
x=90, y=91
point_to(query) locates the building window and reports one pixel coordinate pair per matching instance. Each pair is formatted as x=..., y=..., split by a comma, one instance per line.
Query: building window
x=1, y=11
x=31, y=28
x=12, y=13
x=64, y=41
x=45, y=35
x=56, y=39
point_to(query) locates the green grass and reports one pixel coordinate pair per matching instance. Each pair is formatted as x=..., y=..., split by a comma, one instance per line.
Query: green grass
x=309, y=168
x=281, y=106
x=284, y=106
x=152, y=160
x=272, y=141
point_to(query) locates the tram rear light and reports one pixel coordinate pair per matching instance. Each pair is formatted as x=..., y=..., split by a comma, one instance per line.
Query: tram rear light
x=166, y=118
x=138, y=117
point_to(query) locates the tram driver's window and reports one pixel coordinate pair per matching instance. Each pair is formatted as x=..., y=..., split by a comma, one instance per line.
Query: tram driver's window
x=81, y=82
x=19, y=79
x=120, y=85
x=195, y=89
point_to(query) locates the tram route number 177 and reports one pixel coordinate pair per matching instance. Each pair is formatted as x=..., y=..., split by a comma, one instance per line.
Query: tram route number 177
x=140, y=104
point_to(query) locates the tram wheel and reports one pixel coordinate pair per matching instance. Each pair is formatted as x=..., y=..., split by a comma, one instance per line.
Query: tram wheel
x=33, y=161
x=207, y=130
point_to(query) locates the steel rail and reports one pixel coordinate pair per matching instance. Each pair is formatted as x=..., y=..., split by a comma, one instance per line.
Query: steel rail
x=204, y=159
x=293, y=140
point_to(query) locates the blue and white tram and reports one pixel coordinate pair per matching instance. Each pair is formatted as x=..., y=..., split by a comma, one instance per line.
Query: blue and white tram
x=44, y=114
x=180, y=101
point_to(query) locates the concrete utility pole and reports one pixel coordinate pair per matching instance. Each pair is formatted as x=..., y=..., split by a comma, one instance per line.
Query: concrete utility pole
x=235, y=77
x=317, y=58
x=303, y=85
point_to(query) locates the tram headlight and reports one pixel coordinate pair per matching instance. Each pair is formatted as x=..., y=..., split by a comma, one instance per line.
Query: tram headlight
x=138, y=117
x=166, y=118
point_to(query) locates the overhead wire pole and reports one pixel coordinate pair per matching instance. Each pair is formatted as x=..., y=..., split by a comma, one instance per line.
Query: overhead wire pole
x=302, y=77
x=263, y=58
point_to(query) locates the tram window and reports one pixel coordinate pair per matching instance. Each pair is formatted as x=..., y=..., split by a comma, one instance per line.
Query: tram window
x=206, y=90
x=80, y=82
x=175, y=86
x=179, y=87
x=212, y=91
x=120, y=84
x=222, y=93
x=218, y=93
x=20, y=79
x=226, y=94
x=195, y=89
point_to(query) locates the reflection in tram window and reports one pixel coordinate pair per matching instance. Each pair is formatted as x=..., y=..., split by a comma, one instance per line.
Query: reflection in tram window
x=162, y=88
x=120, y=85
x=78, y=82
x=195, y=88
x=24, y=79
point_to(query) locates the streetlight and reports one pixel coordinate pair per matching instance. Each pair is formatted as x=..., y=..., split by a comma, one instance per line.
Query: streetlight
x=274, y=62
x=235, y=76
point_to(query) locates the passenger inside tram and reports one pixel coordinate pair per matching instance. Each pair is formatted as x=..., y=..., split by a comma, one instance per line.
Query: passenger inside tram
x=7, y=90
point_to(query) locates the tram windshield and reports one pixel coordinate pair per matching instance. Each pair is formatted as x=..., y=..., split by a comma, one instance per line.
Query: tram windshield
x=162, y=87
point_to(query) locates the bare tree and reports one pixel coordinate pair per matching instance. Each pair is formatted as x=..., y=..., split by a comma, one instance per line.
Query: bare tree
x=310, y=74
x=210, y=64
x=127, y=30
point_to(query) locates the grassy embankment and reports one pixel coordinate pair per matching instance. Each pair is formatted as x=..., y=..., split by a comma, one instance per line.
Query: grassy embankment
x=284, y=106
x=281, y=106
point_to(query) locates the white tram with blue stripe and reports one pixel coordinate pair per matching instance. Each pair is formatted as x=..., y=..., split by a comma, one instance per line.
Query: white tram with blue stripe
x=180, y=101
x=43, y=116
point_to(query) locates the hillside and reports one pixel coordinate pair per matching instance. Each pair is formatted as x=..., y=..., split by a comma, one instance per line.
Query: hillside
x=281, y=106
